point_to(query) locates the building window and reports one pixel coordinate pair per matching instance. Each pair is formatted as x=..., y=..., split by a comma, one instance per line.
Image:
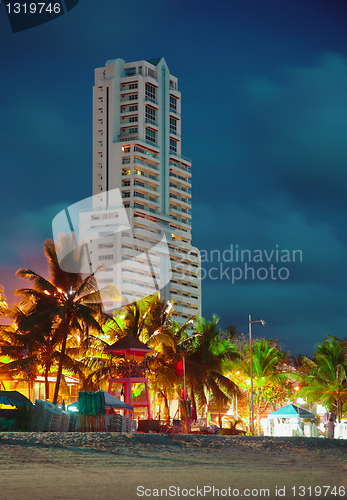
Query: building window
x=132, y=119
x=150, y=92
x=173, y=146
x=132, y=130
x=150, y=114
x=150, y=135
x=130, y=71
x=126, y=194
x=133, y=108
x=132, y=97
x=105, y=257
x=173, y=125
x=173, y=103
x=133, y=86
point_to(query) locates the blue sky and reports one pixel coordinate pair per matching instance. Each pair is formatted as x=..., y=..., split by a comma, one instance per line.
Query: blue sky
x=264, y=120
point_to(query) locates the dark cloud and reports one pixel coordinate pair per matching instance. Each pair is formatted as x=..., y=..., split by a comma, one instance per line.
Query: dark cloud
x=295, y=131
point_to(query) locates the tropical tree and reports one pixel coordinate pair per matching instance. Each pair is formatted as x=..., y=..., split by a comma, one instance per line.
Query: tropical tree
x=75, y=304
x=208, y=357
x=327, y=379
x=267, y=367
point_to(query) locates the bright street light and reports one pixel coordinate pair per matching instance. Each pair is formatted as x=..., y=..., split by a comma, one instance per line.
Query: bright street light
x=251, y=361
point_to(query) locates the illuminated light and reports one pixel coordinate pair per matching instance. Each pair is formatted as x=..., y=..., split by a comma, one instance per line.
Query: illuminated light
x=296, y=388
x=60, y=290
x=46, y=292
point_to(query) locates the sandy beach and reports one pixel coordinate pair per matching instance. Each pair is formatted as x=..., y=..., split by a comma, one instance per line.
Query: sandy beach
x=85, y=466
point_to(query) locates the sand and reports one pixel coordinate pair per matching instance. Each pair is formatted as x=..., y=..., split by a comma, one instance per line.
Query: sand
x=85, y=466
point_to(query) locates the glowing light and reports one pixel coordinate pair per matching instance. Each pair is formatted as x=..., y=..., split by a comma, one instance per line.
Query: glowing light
x=46, y=292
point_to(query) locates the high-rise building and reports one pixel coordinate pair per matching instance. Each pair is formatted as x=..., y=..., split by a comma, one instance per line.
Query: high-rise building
x=137, y=149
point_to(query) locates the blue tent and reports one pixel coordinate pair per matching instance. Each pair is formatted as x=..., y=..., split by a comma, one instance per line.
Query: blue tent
x=13, y=398
x=291, y=411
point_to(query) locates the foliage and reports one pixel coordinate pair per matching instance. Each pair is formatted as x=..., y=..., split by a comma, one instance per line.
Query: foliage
x=326, y=381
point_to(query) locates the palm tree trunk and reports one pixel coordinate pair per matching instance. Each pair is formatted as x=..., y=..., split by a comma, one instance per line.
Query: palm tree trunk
x=166, y=413
x=192, y=395
x=258, y=409
x=61, y=359
x=46, y=382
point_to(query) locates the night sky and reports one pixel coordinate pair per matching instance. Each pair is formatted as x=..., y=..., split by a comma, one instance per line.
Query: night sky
x=264, y=120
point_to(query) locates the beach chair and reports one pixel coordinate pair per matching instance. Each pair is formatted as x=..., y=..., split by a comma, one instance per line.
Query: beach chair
x=48, y=415
x=115, y=423
x=65, y=420
x=73, y=422
x=36, y=424
x=133, y=426
x=126, y=424
x=56, y=419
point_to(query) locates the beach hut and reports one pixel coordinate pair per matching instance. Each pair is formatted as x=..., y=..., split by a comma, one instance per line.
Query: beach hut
x=287, y=421
x=132, y=371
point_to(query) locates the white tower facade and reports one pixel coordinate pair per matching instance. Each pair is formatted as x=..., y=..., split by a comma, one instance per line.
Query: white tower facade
x=137, y=149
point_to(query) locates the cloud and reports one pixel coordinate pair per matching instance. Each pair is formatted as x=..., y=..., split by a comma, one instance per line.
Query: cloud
x=295, y=130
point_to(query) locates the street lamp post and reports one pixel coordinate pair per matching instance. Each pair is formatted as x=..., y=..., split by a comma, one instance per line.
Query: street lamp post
x=251, y=361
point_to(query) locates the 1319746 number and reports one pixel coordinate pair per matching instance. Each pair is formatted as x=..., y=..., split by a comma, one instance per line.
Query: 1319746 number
x=33, y=8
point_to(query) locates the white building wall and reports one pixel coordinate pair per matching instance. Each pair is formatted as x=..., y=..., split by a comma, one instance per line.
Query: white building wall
x=133, y=139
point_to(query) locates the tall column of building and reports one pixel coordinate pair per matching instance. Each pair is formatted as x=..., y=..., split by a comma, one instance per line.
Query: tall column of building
x=137, y=149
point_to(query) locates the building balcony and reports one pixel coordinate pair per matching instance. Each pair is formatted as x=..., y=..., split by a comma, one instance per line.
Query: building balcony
x=142, y=174
x=180, y=177
x=125, y=121
x=174, y=133
x=146, y=163
x=177, y=155
x=175, y=112
x=154, y=144
x=179, y=219
x=142, y=185
x=130, y=98
x=179, y=166
x=141, y=206
x=180, y=199
x=144, y=152
x=141, y=196
x=151, y=122
x=180, y=188
x=151, y=100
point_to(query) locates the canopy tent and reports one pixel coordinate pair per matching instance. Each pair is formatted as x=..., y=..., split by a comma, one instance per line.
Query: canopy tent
x=14, y=398
x=110, y=401
x=291, y=411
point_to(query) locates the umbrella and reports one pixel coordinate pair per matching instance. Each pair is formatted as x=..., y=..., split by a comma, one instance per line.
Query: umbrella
x=14, y=398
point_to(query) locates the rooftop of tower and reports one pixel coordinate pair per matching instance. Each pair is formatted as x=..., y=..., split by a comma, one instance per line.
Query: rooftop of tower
x=154, y=61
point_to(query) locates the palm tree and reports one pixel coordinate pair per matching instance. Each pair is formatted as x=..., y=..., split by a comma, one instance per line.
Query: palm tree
x=327, y=378
x=207, y=358
x=75, y=305
x=267, y=359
